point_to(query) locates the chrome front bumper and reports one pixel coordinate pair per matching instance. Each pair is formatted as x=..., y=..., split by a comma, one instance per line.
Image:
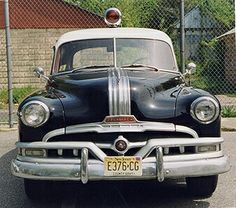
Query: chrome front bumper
x=95, y=170
x=159, y=167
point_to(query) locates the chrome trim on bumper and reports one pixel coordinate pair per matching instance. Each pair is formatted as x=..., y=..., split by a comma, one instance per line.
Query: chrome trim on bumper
x=95, y=169
x=159, y=164
x=143, y=152
x=64, y=145
x=177, y=142
x=84, y=166
x=160, y=167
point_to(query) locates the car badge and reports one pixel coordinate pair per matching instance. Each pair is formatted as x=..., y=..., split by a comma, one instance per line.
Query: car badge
x=120, y=119
x=121, y=144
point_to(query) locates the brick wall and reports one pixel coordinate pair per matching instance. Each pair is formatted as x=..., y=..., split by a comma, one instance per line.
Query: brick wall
x=30, y=47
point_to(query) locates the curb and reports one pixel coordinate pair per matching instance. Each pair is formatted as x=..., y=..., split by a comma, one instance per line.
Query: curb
x=228, y=124
x=227, y=129
x=6, y=129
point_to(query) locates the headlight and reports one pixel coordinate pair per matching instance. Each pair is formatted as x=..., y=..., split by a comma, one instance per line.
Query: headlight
x=34, y=113
x=205, y=110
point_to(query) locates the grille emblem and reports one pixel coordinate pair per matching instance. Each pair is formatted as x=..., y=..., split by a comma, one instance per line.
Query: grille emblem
x=121, y=144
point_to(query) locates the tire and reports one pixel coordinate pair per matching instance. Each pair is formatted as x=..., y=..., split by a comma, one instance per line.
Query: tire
x=202, y=186
x=37, y=189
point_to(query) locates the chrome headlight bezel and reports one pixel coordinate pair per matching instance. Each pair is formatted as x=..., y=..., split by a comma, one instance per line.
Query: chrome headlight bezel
x=45, y=109
x=195, y=104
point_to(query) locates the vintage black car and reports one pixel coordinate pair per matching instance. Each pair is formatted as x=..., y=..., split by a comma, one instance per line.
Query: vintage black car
x=116, y=107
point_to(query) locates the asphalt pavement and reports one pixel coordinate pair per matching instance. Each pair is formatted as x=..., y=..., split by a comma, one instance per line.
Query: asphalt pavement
x=115, y=194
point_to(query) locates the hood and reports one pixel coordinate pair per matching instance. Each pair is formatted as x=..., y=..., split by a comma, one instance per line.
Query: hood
x=91, y=96
x=83, y=95
x=153, y=94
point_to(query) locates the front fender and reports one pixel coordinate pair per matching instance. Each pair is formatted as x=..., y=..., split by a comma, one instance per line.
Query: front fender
x=55, y=121
x=184, y=100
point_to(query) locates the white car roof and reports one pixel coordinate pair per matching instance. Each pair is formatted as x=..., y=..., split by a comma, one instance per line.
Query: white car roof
x=100, y=33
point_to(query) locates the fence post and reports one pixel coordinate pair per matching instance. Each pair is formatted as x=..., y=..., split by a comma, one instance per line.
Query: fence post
x=9, y=63
x=182, y=37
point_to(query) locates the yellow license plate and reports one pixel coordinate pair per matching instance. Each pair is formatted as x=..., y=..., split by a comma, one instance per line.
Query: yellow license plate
x=123, y=166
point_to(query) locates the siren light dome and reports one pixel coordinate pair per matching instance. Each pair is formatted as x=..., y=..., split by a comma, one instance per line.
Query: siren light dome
x=113, y=17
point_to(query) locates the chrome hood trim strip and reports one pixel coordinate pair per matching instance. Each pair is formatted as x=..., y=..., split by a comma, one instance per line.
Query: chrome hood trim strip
x=119, y=92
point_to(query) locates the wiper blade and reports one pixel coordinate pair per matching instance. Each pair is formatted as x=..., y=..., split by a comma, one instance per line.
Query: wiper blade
x=91, y=67
x=140, y=65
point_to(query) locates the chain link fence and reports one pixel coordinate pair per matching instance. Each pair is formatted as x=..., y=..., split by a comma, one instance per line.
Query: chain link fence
x=35, y=25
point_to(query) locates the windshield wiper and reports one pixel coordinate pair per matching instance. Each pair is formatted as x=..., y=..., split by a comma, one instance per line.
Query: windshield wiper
x=91, y=67
x=140, y=65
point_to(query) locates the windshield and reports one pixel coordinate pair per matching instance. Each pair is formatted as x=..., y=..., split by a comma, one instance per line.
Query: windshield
x=114, y=52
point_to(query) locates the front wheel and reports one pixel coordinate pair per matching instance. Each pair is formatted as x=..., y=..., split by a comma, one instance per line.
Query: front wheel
x=36, y=189
x=202, y=186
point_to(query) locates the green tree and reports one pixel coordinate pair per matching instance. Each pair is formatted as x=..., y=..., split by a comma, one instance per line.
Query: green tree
x=135, y=13
x=160, y=14
x=220, y=10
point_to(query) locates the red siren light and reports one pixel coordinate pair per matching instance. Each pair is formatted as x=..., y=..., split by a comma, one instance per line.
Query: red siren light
x=113, y=17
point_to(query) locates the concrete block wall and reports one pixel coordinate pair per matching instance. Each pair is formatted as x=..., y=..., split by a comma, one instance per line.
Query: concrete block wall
x=3, y=64
x=230, y=59
x=30, y=48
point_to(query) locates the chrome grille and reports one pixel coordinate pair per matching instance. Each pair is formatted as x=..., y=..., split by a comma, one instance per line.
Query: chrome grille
x=184, y=150
x=63, y=153
x=104, y=142
x=75, y=153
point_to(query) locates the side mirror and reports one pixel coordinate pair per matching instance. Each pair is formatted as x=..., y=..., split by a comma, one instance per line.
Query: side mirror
x=191, y=68
x=39, y=72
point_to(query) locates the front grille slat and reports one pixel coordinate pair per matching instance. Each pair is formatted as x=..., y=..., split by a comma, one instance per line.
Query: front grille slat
x=166, y=150
x=60, y=152
x=181, y=149
x=75, y=152
x=63, y=153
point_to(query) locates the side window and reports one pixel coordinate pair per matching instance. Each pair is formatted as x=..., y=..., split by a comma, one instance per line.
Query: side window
x=64, y=58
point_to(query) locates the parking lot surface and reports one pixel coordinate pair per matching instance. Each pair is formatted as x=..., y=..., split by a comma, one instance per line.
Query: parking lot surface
x=115, y=194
